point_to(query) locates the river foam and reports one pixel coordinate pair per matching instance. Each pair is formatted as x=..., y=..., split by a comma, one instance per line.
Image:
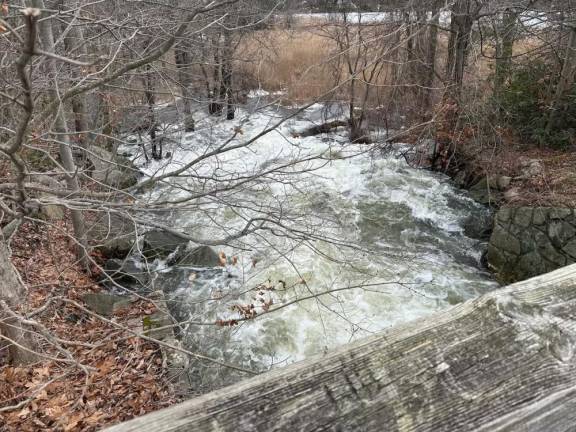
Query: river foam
x=352, y=217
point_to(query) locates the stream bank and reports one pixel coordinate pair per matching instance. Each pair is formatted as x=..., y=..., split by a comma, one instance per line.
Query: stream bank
x=533, y=219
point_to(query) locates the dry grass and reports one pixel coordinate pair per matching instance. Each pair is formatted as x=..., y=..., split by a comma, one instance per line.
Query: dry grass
x=306, y=62
x=293, y=61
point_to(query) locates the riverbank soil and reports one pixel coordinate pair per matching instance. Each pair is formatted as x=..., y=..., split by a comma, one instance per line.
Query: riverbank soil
x=538, y=177
x=125, y=376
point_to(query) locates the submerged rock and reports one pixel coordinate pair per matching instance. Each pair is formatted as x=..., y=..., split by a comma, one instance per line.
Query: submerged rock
x=200, y=256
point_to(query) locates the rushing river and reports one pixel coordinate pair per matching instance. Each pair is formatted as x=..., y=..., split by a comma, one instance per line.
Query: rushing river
x=353, y=217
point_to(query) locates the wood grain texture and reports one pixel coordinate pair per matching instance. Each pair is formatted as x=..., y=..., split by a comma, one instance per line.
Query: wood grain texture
x=502, y=362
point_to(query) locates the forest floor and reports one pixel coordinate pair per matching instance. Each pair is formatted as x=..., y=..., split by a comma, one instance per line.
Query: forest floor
x=551, y=184
x=125, y=376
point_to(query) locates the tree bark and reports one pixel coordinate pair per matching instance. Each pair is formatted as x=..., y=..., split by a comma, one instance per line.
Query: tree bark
x=505, y=49
x=227, y=75
x=566, y=82
x=458, y=45
x=65, y=148
x=182, y=58
x=84, y=106
x=431, y=50
x=215, y=98
x=150, y=97
x=22, y=351
x=505, y=361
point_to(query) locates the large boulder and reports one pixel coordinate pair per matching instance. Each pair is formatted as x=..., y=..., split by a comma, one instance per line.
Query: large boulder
x=481, y=192
x=199, y=256
x=160, y=243
x=478, y=225
x=489, y=189
x=125, y=273
x=105, y=304
x=530, y=168
x=178, y=250
x=111, y=235
x=51, y=212
x=110, y=169
x=529, y=241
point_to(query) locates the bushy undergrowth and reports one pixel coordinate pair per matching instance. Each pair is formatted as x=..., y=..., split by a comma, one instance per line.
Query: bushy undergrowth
x=525, y=101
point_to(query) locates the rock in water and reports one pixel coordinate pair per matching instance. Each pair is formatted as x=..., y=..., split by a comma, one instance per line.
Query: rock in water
x=125, y=272
x=200, y=256
x=159, y=243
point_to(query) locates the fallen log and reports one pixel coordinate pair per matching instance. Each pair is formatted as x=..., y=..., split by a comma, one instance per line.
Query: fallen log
x=322, y=128
x=504, y=361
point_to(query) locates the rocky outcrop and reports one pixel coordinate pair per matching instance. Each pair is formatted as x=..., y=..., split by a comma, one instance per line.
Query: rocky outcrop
x=112, y=236
x=529, y=241
x=125, y=273
x=524, y=241
x=110, y=169
x=159, y=243
x=178, y=250
x=199, y=256
x=490, y=190
x=104, y=303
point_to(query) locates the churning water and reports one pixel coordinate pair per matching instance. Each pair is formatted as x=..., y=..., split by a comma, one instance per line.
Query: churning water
x=383, y=243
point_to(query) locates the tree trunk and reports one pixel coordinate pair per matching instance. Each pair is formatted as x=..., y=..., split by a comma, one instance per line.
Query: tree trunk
x=566, y=80
x=431, y=50
x=83, y=107
x=150, y=96
x=458, y=45
x=22, y=352
x=227, y=75
x=505, y=49
x=182, y=58
x=215, y=100
x=61, y=128
x=503, y=362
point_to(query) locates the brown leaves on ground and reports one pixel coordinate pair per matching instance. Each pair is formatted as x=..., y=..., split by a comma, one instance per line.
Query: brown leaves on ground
x=557, y=185
x=554, y=187
x=500, y=152
x=54, y=396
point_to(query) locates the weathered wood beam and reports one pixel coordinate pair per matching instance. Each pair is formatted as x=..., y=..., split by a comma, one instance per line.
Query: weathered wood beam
x=504, y=361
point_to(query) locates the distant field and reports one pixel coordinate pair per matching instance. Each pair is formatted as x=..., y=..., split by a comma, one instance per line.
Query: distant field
x=305, y=62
